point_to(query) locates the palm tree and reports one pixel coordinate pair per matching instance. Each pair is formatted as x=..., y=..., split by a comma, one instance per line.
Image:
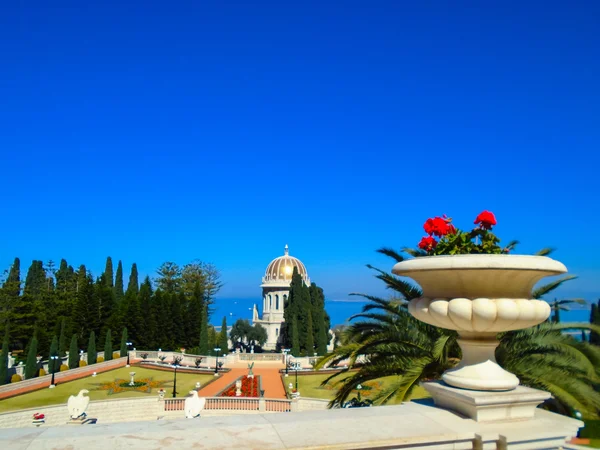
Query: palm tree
x=385, y=339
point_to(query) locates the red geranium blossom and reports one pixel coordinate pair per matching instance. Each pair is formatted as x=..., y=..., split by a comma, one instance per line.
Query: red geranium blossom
x=486, y=220
x=439, y=226
x=428, y=243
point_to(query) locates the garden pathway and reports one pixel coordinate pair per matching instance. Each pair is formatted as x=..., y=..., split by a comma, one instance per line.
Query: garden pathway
x=270, y=378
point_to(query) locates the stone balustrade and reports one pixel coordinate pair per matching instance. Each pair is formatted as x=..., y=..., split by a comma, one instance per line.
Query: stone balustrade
x=152, y=408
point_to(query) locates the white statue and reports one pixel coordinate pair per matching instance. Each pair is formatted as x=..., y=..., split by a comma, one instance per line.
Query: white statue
x=78, y=404
x=193, y=405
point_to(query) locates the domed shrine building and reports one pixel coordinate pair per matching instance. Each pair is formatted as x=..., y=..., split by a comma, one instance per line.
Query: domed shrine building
x=275, y=290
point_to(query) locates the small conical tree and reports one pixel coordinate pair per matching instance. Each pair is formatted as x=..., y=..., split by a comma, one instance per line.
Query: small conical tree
x=124, y=343
x=53, y=364
x=4, y=360
x=295, y=338
x=223, y=342
x=118, y=289
x=310, y=342
x=62, y=341
x=31, y=369
x=92, y=354
x=73, y=353
x=108, y=273
x=203, y=347
x=322, y=335
x=108, y=347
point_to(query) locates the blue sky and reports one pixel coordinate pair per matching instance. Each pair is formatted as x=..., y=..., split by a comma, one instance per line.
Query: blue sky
x=221, y=131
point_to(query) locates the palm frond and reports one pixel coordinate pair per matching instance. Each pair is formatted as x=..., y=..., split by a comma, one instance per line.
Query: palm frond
x=391, y=253
x=545, y=251
x=547, y=288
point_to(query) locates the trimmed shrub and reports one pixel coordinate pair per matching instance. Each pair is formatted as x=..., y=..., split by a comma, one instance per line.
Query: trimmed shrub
x=16, y=378
x=82, y=363
x=63, y=367
x=117, y=355
x=42, y=373
x=100, y=359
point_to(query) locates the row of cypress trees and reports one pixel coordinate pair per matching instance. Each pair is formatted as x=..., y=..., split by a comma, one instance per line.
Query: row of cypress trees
x=306, y=327
x=65, y=302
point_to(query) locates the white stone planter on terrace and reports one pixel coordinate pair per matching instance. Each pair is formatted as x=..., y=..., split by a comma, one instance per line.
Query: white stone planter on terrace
x=479, y=296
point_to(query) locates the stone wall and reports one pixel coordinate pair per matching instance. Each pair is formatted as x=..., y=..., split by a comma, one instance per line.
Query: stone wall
x=106, y=411
x=311, y=404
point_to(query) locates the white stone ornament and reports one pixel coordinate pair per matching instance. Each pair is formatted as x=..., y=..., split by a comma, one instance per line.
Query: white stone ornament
x=78, y=404
x=479, y=296
x=194, y=405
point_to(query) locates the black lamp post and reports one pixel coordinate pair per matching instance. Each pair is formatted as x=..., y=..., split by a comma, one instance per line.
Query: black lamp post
x=217, y=350
x=176, y=362
x=296, y=365
x=128, y=344
x=52, y=362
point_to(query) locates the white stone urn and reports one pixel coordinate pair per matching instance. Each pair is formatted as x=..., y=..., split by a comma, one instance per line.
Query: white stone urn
x=238, y=388
x=479, y=296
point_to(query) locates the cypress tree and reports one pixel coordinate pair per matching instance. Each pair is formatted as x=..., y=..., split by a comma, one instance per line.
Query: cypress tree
x=203, y=346
x=177, y=324
x=223, y=342
x=108, y=273
x=4, y=360
x=193, y=317
x=310, y=342
x=212, y=340
x=133, y=286
x=31, y=369
x=92, y=354
x=73, y=353
x=322, y=335
x=124, y=343
x=53, y=364
x=149, y=311
x=595, y=319
x=62, y=341
x=295, y=338
x=108, y=347
x=118, y=289
x=83, y=314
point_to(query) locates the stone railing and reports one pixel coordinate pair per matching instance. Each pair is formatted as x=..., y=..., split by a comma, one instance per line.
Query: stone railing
x=232, y=404
x=277, y=357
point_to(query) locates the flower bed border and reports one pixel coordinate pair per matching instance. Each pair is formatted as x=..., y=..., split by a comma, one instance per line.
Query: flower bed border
x=220, y=393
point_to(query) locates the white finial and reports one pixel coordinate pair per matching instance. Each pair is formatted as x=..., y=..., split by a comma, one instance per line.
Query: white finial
x=286, y=250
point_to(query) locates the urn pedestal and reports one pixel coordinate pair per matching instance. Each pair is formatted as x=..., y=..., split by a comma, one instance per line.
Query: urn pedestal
x=478, y=296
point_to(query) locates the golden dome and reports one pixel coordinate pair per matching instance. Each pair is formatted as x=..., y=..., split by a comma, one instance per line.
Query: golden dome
x=282, y=268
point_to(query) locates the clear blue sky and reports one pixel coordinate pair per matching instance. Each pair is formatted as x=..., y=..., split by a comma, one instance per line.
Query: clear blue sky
x=221, y=130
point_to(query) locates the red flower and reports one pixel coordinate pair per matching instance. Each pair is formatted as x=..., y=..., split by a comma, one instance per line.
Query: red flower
x=486, y=220
x=439, y=226
x=428, y=243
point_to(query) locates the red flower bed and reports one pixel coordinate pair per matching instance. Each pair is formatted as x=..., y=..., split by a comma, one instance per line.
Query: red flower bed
x=249, y=388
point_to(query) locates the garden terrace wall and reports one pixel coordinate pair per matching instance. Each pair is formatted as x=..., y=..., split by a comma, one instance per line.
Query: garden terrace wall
x=34, y=384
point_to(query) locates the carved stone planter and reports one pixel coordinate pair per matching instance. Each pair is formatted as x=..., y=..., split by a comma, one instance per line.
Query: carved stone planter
x=479, y=296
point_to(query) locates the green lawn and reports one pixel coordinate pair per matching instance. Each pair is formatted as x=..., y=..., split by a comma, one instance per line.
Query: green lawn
x=310, y=386
x=60, y=394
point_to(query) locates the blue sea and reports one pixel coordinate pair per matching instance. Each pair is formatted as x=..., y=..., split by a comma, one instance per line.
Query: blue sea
x=339, y=311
